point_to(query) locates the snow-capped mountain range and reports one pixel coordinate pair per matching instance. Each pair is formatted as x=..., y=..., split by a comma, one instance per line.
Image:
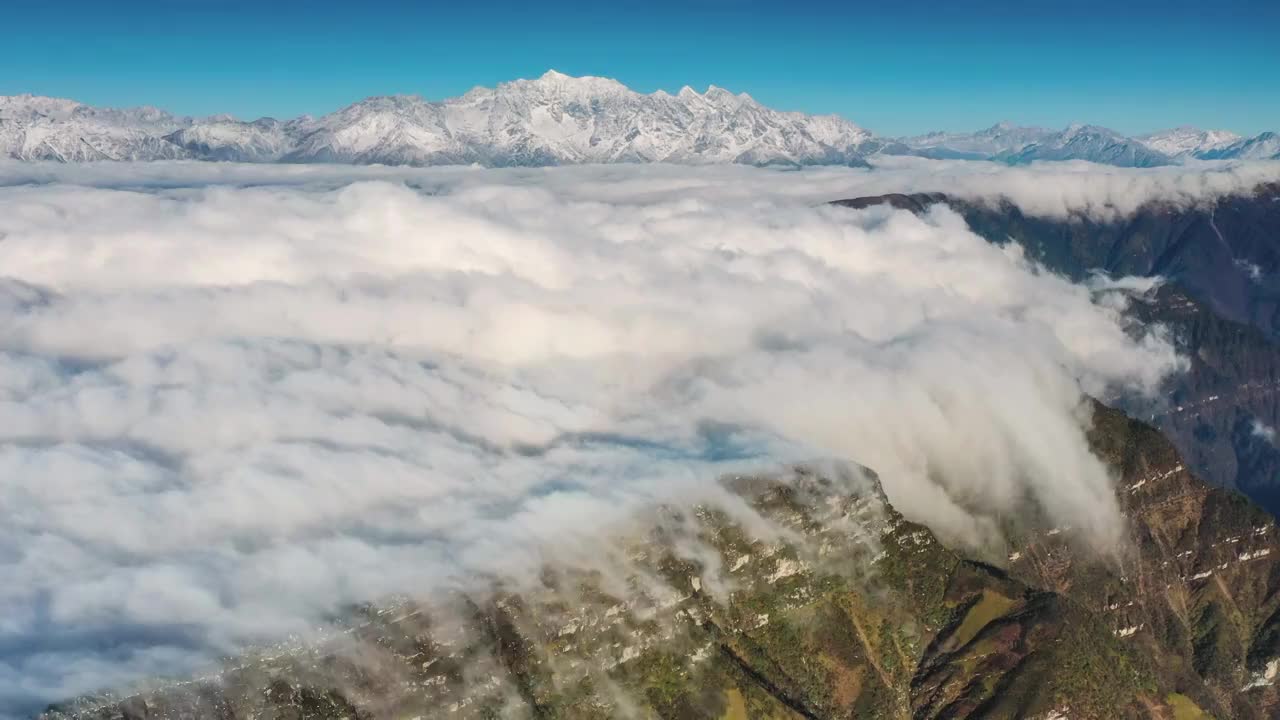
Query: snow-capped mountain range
x=555, y=120
x=1009, y=143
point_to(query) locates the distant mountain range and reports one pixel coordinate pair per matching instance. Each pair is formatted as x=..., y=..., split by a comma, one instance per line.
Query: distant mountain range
x=552, y=120
x=1013, y=144
x=561, y=120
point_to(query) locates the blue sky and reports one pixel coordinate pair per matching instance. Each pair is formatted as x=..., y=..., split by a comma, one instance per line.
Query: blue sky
x=894, y=67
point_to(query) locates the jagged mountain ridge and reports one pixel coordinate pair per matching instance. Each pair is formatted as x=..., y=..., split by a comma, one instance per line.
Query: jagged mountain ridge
x=1010, y=143
x=41, y=128
x=1188, y=141
x=1001, y=138
x=855, y=612
x=556, y=119
x=551, y=120
x=1259, y=147
x=1006, y=142
x=1088, y=142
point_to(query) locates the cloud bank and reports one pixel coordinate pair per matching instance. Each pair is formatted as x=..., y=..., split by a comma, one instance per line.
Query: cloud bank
x=1052, y=189
x=234, y=398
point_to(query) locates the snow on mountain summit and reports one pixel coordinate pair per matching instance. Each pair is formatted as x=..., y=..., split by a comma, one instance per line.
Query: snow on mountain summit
x=1089, y=142
x=550, y=120
x=1009, y=143
x=43, y=128
x=1184, y=141
x=1264, y=146
x=558, y=119
x=1003, y=137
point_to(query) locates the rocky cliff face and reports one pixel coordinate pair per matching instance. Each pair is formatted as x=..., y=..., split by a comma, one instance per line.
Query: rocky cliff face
x=841, y=609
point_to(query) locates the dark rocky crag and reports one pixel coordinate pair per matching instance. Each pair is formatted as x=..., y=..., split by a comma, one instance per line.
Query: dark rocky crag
x=849, y=611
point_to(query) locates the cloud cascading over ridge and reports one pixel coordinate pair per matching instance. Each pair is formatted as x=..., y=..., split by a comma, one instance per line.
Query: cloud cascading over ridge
x=226, y=409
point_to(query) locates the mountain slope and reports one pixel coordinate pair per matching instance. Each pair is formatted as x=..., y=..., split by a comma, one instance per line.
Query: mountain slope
x=39, y=128
x=1009, y=143
x=1088, y=142
x=851, y=612
x=1189, y=142
x=998, y=139
x=222, y=138
x=1260, y=147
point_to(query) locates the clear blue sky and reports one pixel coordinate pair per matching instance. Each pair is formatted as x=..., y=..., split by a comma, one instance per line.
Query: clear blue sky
x=895, y=67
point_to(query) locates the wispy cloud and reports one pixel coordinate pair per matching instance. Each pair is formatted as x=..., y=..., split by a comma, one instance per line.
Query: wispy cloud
x=1264, y=431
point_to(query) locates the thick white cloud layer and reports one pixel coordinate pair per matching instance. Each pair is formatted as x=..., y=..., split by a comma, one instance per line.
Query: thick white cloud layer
x=1054, y=189
x=235, y=397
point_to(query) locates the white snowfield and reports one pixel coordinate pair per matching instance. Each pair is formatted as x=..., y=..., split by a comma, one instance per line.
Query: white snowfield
x=560, y=120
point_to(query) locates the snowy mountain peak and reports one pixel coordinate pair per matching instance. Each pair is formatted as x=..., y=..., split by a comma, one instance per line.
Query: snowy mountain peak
x=716, y=93
x=1188, y=141
x=1088, y=142
x=1009, y=143
x=586, y=84
x=1003, y=137
x=552, y=119
x=26, y=107
x=1076, y=129
x=561, y=119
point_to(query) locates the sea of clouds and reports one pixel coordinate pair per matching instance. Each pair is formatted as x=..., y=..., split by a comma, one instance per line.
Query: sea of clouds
x=233, y=398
